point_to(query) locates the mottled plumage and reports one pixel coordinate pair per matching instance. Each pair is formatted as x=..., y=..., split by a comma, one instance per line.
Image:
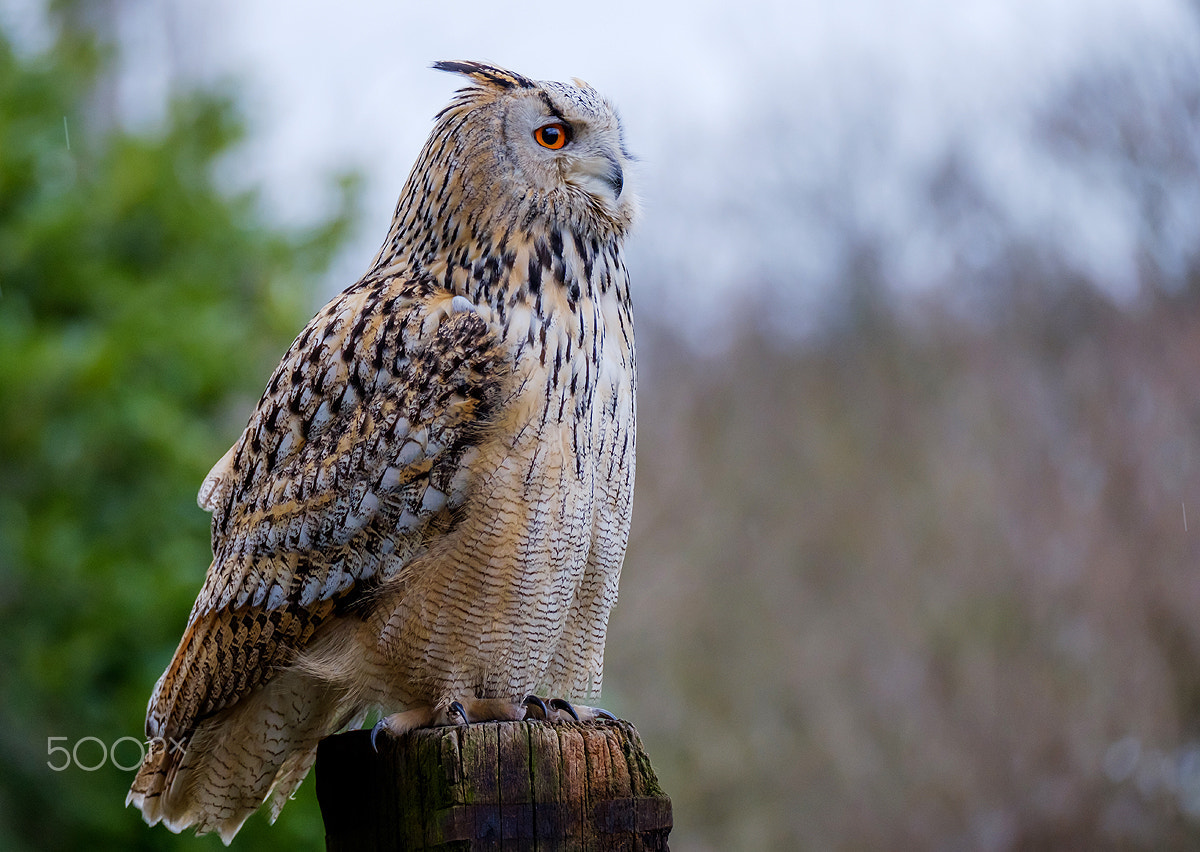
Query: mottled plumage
x=431, y=501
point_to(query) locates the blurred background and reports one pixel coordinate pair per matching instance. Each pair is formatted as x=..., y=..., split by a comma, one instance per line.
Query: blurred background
x=916, y=550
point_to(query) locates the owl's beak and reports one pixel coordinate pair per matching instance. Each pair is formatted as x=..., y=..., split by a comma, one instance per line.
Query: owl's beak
x=615, y=176
x=601, y=174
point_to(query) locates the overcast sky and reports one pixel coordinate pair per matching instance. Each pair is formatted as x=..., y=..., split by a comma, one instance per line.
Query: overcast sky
x=744, y=118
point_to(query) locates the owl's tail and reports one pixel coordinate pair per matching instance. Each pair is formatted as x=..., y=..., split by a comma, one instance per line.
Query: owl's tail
x=256, y=751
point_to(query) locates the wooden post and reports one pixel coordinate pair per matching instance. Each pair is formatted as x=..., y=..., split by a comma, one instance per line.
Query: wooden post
x=527, y=786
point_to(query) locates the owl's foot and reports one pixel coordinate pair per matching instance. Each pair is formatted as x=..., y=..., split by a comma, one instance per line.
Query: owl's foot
x=455, y=713
x=487, y=710
x=561, y=710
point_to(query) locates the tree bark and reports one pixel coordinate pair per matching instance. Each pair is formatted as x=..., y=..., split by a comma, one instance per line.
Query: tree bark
x=527, y=786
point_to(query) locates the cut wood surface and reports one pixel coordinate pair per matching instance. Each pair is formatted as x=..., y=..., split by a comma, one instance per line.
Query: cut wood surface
x=528, y=786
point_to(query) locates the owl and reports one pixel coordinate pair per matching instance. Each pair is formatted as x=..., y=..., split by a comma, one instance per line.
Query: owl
x=428, y=510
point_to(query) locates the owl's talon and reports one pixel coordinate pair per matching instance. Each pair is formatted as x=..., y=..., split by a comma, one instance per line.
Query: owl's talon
x=563, y=704
x=457, y=710
x=592, y=714
x=532, y=703
x=374, y=734
x=401, y=723
x=562, y=710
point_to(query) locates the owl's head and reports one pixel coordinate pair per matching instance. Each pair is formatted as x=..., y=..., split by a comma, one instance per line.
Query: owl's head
x=537, y=149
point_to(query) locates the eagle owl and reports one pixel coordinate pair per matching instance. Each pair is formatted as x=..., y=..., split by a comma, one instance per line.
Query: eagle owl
x=428, y=510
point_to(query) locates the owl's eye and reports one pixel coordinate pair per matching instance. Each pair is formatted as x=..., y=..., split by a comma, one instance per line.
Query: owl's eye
x=552, y=136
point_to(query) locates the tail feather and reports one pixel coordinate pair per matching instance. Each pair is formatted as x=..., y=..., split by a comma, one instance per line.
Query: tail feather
x=153, y=778
x=260, y=748
x=295, y=769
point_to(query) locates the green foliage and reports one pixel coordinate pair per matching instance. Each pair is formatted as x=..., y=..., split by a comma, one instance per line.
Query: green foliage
x=140, y=313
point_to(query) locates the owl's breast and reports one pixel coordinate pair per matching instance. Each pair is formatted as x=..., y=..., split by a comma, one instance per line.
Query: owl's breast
x=573, y=389
x=542, y=530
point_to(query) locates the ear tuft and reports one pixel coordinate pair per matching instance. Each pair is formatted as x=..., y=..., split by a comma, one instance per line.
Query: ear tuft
x=490, y=76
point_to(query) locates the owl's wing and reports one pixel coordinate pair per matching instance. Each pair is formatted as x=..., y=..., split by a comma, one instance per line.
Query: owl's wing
x=353, y=461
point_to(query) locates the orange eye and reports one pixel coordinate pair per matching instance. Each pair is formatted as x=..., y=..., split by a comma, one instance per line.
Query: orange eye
x=552, y=136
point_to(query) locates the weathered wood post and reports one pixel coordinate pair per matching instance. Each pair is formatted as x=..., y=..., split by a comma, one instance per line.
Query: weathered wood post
x=529, y=786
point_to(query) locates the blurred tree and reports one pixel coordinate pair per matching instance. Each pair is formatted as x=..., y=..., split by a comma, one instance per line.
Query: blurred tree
x=140, y=312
